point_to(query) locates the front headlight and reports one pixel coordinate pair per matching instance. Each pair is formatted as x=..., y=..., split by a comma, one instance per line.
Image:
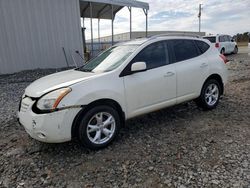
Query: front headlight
x=52, y=99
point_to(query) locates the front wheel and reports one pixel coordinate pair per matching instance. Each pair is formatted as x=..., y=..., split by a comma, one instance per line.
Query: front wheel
x=98, y=127
x=210, y=95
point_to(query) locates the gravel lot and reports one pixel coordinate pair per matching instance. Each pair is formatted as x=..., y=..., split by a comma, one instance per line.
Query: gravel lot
x=181, y=146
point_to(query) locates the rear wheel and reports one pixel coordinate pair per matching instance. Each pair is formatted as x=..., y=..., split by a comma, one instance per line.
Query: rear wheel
x=222, y=51
x=98, y=127
x=235, y=50
x=210, y=95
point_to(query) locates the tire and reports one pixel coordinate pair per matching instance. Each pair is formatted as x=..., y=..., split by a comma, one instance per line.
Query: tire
x=93, y=133
x=210, y=95
x=222, y=51
x=235, y=50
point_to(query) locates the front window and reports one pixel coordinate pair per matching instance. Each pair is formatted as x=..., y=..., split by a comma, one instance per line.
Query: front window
x=153, y=55
x=109, y=59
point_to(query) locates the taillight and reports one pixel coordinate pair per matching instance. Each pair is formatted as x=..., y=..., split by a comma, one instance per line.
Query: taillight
x=224, y=58
x=217, y=45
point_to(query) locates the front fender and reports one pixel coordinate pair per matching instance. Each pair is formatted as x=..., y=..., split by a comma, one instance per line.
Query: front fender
x=87, y=92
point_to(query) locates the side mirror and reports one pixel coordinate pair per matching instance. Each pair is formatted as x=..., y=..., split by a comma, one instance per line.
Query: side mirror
x=232, y=40
x=138, y=67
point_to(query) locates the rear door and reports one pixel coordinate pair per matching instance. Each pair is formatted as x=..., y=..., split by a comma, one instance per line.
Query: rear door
x=231, y=44
x=191, y=67
x=228, y=44
x=224, y=41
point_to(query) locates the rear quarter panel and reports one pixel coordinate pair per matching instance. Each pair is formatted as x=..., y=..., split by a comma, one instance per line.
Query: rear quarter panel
x=217, y=65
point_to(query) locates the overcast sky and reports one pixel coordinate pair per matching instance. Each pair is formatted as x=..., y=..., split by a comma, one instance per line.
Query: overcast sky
x=218, y=16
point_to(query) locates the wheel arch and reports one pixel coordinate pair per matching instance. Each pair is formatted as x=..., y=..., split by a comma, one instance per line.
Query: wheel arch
x=218, y=78
x=108, y=102
x=223, y=48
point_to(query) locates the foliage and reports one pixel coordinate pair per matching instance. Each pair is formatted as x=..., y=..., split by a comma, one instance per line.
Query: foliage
x=242, y=37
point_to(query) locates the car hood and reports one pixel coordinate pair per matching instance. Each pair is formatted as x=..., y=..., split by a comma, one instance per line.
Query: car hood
x=56, y=81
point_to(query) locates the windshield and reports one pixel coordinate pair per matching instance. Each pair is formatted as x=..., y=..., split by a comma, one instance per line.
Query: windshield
x=211, y=39
x=109, y=59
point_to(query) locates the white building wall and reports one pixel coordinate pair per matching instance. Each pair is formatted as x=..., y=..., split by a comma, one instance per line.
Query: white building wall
x=33, y=32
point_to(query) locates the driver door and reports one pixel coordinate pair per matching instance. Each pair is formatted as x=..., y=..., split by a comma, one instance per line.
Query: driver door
x=154, y=88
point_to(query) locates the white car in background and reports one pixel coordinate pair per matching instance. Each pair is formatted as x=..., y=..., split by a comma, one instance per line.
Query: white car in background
x=92, y=102
x=224, y=43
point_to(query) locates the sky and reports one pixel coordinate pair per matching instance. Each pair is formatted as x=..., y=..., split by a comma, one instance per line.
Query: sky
x=218, y=16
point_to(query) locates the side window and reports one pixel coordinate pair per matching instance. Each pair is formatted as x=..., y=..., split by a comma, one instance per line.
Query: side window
x=153, y=55
x=202, y=46
x=184, y=49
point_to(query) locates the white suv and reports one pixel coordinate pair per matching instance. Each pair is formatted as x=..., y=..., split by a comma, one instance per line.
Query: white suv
x=224, y=43
x=92, y=102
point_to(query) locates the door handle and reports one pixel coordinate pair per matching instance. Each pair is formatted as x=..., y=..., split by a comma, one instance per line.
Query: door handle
x=203, y=65
x=169, y=74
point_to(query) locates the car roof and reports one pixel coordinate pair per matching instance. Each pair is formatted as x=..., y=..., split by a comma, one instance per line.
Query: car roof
x=138, y=42
x=141, y=41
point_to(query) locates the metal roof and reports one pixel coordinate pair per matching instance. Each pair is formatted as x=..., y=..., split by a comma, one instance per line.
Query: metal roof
x=102, y=8
x=140, y=41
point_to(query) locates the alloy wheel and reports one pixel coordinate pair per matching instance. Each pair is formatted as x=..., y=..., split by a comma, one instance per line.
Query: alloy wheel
x=101, y=128
x=212, y=94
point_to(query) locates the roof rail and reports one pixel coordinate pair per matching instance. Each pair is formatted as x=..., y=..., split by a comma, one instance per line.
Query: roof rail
x=175, y=34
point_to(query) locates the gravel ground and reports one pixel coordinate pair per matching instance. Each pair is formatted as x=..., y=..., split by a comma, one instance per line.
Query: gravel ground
x=181, y=146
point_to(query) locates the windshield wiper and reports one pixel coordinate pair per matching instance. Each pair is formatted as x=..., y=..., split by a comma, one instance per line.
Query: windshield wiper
x=83, y=69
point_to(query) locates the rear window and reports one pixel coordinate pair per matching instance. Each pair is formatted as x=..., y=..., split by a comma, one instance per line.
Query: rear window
x=222, y=38
x=203, y=46
x=211, y=39
x=227, y=38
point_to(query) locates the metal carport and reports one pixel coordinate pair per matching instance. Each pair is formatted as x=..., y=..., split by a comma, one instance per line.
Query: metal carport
x=47, y=33
x=107, y=9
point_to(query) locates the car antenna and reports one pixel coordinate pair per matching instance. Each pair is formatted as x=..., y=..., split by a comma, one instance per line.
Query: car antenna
x=77, y=52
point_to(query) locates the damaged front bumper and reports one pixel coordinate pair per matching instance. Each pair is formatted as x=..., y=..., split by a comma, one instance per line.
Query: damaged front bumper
x=54, y=127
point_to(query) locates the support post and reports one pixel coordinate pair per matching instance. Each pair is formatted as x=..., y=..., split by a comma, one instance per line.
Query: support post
x=199, y=16
x=99, y=37
x=112, y=23
x=130, y=22
x=91, y=26
x=83, y=35
x=146, y=14
x=146, y=23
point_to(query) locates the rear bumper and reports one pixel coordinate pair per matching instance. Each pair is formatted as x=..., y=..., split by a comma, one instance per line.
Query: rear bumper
x=51, y=128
